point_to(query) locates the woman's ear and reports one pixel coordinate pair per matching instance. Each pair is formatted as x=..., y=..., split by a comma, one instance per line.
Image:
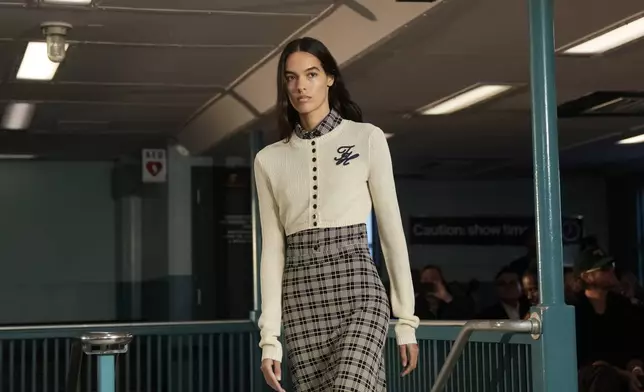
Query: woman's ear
x=329, y=81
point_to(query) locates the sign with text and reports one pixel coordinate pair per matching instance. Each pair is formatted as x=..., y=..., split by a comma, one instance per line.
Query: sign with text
x=154, y=165
x=483, y=230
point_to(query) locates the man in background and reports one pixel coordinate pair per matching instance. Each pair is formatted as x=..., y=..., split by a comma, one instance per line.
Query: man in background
x=609, y=332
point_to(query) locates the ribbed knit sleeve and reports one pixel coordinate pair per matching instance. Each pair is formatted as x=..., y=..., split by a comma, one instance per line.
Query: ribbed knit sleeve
x=272, y=266
x=394, y=246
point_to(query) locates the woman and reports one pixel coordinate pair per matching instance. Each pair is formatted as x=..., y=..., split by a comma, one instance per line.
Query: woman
x=436, y=301
x=316, y=187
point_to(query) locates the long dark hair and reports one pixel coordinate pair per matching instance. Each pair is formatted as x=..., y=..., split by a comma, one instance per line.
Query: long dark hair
x=339, y=98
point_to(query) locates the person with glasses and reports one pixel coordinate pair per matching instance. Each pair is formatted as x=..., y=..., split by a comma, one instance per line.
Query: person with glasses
x=512, y=303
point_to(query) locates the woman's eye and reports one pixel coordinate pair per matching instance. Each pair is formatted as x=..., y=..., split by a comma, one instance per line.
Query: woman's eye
x=312, y=74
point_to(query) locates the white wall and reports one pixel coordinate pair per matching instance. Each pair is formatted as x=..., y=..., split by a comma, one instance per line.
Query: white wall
x=580, y=196
x=57, y=242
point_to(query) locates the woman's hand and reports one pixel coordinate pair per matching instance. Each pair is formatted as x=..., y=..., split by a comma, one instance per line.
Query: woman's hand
x=272, y=374
x=634, y=384
x=409, y=357
x=442, y=293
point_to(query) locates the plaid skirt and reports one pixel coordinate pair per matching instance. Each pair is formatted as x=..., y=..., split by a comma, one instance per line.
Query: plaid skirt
x=335, y=311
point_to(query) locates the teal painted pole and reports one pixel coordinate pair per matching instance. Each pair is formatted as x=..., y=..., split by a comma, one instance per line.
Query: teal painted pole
x=555, y=360
x=546, y=153
x=106, y=373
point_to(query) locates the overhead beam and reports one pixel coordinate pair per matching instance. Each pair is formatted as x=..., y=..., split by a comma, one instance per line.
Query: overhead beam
x=349, y=30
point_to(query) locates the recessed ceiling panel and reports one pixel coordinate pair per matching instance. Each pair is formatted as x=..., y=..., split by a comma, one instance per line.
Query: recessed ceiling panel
x=6, y=54
x=125, y=93
x=280, y=6
x=112, y=27
x=76, y=146
x=605, y=104
x=56, y=112
x=400, y=85
x=82, y=117
x=92, y=63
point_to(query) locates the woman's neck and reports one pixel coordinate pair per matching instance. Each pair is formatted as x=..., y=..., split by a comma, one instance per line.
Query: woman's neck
x=311, y=120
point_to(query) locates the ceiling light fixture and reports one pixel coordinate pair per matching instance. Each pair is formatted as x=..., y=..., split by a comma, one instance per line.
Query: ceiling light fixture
x=18, y=115
x=632, y=140
x=36, y=65
x=463, y=99
x=55, y=33
x=16, y=156
x=609, y=40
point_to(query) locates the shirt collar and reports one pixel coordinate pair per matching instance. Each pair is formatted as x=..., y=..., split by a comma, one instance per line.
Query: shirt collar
x=328, y=123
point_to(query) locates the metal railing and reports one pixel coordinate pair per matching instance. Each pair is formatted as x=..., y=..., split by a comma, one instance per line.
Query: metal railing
x=223, y=356
x=531, y=326
x=491, y=359
x=106, y=345
x=182, y=357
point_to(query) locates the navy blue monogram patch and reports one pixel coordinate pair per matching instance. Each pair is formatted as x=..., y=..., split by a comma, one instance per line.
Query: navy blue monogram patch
x=346, y=155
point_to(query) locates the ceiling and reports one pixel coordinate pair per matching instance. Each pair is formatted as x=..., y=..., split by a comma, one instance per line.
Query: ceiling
x=140, y=72
x=135, y=70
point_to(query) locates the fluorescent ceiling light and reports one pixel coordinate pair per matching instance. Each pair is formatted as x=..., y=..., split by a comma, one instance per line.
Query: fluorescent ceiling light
x=74, y=2
x=632, y=140
x=612, y=39
x=16, y=156
x=35, y=63
x=464, y=99
x=18, y=115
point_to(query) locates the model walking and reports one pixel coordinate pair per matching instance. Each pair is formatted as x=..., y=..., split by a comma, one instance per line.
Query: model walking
x=316, y=188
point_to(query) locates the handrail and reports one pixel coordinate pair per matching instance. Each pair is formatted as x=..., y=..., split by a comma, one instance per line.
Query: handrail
x=18, y=328
x=531, y=326
x=156, y=324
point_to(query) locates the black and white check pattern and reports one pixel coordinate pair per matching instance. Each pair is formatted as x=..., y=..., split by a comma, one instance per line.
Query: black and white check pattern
x=328, y=123
x=335, y=311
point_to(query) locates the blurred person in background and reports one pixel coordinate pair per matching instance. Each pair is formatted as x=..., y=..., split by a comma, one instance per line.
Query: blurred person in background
x=436, y=301
x=610, y=348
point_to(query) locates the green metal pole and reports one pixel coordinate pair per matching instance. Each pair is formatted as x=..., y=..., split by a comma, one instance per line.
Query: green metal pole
x=555, y=364
x=546, y=153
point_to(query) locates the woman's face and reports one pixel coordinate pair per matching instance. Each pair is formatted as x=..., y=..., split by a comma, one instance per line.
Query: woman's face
x=307, y=83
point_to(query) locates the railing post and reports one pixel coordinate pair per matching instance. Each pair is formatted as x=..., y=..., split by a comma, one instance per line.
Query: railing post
x=554, y=361
x=75, y=363
x=106, y=345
